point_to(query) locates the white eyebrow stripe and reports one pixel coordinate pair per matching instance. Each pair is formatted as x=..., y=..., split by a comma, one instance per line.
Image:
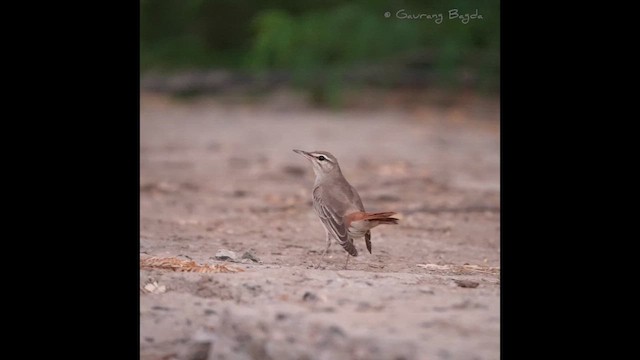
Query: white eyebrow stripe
x=325, y=156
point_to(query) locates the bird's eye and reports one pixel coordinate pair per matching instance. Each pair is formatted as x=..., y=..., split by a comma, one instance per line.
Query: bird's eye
x=321, y=158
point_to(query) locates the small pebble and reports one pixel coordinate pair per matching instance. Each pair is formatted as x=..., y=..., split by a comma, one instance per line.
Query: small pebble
x=223, y=254
x=467, y=283
x=309, y=296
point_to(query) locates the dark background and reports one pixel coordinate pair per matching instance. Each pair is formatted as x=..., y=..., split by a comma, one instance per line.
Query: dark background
x=321, y=47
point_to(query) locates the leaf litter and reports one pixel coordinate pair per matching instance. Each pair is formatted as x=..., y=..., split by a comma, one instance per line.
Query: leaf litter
x=174, y=264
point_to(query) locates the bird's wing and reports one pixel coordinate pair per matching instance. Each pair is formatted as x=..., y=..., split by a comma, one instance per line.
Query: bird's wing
x=333, y=222
x=358, y=202
x=356, y=199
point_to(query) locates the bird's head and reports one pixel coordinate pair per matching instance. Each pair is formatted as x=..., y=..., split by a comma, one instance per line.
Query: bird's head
x=323, y=162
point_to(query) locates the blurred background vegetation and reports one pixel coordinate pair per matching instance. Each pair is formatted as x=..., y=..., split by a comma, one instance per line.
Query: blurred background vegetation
x=324, y=46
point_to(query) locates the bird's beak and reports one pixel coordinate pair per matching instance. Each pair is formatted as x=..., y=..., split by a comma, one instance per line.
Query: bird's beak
x=303, y=153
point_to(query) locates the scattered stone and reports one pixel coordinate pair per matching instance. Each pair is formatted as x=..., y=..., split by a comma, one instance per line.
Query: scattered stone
x=209, y=312
x=190, y=186
x=250, y=256
x=226, y=255
x=253, y=289
x=159, y=188
x=467, y=283
x=334, y=329
x=153, y=288
x=240, y=193
x=205, y=292
x=199, y=351
x=468, y=304
x=462, y=305
x=427, y=290
x=363, y=306
x=310, y=297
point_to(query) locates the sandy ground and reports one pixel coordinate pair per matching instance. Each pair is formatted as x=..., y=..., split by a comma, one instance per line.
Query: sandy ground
x=218, y=175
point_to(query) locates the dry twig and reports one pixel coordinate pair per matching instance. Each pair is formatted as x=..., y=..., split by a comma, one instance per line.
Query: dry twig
x=175, y=264
x=462, y=268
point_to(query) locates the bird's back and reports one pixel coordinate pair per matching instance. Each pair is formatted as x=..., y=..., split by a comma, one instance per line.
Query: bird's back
x=338, y=192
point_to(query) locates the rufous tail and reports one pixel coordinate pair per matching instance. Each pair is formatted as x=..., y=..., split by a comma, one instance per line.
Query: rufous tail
x=381, y=217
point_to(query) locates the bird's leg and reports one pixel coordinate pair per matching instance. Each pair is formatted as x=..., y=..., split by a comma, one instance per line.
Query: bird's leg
x=346, y=262
x=325, y=250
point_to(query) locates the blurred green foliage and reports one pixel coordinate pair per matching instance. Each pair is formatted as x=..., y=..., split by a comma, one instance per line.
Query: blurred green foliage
x=321, y=41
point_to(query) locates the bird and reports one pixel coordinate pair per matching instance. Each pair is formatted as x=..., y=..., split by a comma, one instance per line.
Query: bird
x=339, y=207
